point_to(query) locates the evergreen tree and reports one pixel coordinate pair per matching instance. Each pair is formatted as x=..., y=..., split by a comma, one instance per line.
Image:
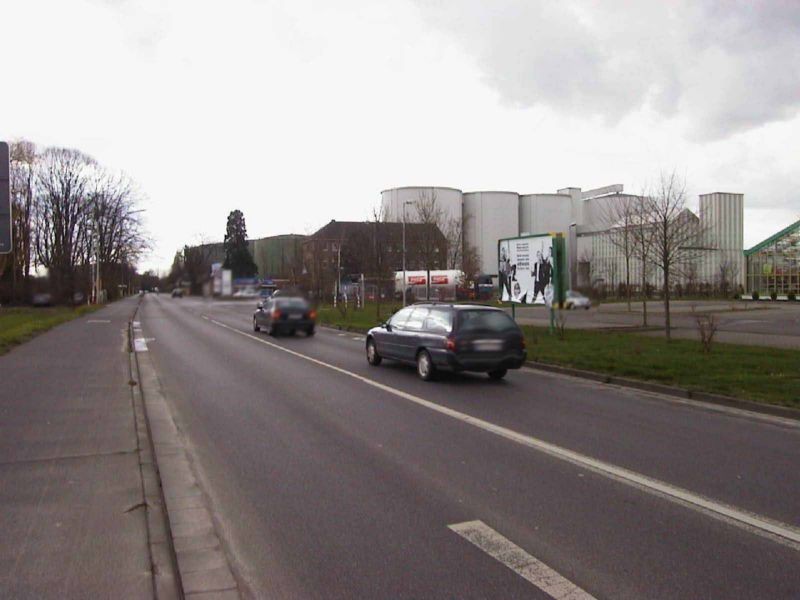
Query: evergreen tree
x=237, y=255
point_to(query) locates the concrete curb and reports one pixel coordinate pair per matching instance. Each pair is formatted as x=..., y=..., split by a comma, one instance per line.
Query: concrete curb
x=668, y=390
x=191, y=540
x=658, y=388
x=166, y=583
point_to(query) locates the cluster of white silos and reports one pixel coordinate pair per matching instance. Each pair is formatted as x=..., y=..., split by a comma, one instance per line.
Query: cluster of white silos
x=488, y=216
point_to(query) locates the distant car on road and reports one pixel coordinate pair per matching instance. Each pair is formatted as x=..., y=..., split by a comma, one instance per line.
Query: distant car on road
x=577, y=300
x=42, y=299
x=285, y=315
x=453, y=337
x=177, y=293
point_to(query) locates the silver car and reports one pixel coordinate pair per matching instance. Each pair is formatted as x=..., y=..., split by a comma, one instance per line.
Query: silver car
x=577, y=300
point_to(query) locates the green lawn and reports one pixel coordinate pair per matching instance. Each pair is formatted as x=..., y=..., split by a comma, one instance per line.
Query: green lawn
x=749, y=372
x=360, y=320
x=20, y=324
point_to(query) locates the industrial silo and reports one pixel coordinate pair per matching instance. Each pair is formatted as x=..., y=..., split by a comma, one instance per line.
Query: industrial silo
x=489, y=217
x=722, y=224
x=394, y=200
x=545, y=213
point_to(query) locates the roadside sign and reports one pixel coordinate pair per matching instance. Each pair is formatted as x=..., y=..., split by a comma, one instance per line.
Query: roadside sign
x=5, y=200
x=532, y=270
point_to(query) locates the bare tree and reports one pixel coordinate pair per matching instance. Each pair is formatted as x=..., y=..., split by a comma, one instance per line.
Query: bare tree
x=62, y=216
x=470, y=261
x=428, y=213
x=117, y=234
x=23, y=178
x=453, y=230
x=643, y=239
x=676, y=233
x=619, y=217
x=707, y=326
x=727, y=275
x=379, y=261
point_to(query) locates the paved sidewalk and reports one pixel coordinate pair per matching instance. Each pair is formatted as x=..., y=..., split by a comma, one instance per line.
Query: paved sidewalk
x=72, y=518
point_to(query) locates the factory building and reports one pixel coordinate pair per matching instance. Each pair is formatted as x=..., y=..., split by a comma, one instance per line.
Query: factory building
x=582, y=217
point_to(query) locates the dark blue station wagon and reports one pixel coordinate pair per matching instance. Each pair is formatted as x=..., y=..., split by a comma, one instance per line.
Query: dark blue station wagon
x=452, y=337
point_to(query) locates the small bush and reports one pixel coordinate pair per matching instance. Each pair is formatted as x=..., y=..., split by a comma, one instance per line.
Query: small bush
x=792, y=296
x=707, y=328
x=756, y=296
x=773, y=294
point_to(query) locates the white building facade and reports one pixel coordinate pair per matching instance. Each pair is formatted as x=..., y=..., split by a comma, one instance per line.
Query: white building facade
x=582, y=217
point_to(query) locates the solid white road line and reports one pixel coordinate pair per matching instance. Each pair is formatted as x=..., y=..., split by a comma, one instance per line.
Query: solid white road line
x=774, y=530
x=519, y=561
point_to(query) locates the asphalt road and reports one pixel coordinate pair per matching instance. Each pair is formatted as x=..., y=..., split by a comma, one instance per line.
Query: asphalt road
x=332, y=479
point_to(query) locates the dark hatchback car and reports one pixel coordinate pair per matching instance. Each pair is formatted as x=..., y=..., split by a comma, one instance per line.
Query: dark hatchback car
x=453, y=337
x=285, y=315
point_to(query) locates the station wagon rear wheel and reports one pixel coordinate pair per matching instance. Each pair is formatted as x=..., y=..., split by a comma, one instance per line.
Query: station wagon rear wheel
x=425, y=368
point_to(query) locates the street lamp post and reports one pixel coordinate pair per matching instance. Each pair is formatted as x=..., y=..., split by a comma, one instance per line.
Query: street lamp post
x=572, y=254
x=405, y=285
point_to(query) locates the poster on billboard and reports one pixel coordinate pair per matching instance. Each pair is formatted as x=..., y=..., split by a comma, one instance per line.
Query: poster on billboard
x=526, y=269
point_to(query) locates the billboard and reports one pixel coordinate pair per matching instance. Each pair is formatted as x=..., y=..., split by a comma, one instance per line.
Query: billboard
x=5, y=200
x=527, y=269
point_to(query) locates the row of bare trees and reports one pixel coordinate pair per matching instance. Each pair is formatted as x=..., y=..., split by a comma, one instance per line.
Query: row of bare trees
x=656, y=231
x=73, y=221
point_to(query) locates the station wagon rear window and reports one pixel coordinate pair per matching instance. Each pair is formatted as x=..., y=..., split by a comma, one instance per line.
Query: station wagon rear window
x=485, y=320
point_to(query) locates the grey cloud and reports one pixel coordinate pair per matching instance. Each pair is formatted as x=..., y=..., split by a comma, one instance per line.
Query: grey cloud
x=725, y=67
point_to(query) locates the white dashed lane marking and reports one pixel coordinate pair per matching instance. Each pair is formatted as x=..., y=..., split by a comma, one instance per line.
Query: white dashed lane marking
x=515, y=558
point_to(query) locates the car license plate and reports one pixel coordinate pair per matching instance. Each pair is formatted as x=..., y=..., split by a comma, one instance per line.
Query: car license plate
x=488, y=345
x=295, y=316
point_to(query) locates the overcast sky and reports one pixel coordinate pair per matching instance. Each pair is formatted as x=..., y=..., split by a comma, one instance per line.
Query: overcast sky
x=301, y=111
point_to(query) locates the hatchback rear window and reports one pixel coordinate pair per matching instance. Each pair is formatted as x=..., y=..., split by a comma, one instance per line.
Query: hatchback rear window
x=291, y=302
x=485, y=320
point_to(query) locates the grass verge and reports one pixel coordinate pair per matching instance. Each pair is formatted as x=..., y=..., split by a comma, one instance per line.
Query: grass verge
x=18, y=325
x=768, y=375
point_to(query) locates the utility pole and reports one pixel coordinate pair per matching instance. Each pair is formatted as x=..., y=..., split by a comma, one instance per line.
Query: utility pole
x=405, y=285
x=337, y=287
x=404, y=255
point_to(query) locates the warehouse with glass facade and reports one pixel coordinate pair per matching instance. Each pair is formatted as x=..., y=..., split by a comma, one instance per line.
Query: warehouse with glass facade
x=774, y=264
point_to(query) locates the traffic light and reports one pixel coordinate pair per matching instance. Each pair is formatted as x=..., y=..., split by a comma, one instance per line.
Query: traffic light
x=5, y=200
